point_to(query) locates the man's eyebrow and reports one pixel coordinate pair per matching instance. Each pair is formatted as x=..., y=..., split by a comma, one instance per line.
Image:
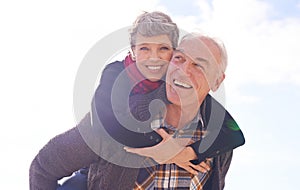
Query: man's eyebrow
x=198, y=59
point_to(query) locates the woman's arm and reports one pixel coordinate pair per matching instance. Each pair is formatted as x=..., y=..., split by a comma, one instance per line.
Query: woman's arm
x=222, y=134
x=60, y=157
x=111, y=109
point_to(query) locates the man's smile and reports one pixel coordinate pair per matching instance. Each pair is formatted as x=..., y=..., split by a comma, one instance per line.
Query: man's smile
x=182, y=84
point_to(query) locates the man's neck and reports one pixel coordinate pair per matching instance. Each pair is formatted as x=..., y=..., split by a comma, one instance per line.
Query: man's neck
x=178, y=116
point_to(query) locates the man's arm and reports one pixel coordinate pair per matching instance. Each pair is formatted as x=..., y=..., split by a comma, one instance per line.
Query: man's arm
x=221, y=166
x=229, y=136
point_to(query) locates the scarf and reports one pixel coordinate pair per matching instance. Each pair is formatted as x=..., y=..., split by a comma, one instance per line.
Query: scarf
x=143, y=86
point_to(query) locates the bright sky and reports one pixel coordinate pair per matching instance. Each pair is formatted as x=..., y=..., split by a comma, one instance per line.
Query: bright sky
x=42, y=44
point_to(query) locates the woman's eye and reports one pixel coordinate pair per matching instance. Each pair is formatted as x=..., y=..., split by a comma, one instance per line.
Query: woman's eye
x=144, y=48
x=165, y=48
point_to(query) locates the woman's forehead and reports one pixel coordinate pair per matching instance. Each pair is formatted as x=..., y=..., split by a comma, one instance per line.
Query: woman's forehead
x=159, y=39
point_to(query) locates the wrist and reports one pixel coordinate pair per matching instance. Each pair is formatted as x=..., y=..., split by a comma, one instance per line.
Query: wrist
x=190, y=153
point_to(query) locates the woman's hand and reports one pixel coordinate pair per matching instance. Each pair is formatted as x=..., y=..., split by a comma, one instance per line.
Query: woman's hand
x=192, y=168
x=167, y=149
x=172, y=150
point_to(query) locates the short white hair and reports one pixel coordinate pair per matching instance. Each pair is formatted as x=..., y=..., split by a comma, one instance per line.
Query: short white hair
x=220, y=45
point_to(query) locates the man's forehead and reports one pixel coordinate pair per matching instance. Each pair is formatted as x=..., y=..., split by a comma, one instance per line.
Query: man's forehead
x=202, y=47
x=193, y=49
x=197, y=59
x=193, y=44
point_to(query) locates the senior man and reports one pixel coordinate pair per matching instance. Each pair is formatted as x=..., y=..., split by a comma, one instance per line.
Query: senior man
x=197, y=66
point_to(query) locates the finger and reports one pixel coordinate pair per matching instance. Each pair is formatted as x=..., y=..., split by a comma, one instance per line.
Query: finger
x=205, y=165
x=163, y=133
x=127, y=149
x=199, y=168
x=183, y=141
x=186, y=166
x=138, y=151
x=147, y=151
x=191, y=170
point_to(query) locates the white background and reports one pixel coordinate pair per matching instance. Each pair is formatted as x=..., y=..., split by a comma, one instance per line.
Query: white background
x=42, y=44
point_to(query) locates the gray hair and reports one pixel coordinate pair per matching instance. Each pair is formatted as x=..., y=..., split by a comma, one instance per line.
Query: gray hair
x=154, y=23
x=220, y=45
x=223, y=52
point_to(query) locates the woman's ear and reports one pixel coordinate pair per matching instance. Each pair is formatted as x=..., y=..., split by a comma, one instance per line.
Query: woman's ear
x=132, y=53
x=218, y=82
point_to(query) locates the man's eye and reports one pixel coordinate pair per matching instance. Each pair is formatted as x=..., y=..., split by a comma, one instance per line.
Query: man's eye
x=177, y=57
x=199, y=65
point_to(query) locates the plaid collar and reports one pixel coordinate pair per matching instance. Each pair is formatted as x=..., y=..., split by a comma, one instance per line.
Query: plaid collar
x=187, y=129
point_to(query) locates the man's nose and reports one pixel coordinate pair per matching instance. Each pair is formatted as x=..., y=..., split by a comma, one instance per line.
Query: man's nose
x=186, y=67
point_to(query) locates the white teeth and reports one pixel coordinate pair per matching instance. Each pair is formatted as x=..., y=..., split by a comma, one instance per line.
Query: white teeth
x=181, y=84
x=153, y=67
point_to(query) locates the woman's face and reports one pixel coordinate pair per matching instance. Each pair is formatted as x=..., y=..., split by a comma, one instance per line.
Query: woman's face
x=152, y=55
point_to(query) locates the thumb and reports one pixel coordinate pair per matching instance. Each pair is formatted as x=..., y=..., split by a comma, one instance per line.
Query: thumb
x=163, y=133
x=140, y=151
x=133, y=150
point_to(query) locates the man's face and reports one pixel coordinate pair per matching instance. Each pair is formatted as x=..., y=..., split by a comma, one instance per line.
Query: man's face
x=193, y=64
x=153, y=55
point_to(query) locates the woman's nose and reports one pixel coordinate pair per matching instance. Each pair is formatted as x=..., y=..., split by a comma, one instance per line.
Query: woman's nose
x=154, y=54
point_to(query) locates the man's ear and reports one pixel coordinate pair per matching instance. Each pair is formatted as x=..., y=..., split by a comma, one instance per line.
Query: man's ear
x=218, y=82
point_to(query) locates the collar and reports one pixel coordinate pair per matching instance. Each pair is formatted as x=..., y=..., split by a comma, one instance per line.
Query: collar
x=190, y=127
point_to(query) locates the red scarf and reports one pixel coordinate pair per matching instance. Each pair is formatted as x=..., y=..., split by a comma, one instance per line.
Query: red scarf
x=145, y=85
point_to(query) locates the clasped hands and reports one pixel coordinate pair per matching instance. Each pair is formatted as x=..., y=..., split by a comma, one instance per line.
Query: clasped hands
x=172, y=150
